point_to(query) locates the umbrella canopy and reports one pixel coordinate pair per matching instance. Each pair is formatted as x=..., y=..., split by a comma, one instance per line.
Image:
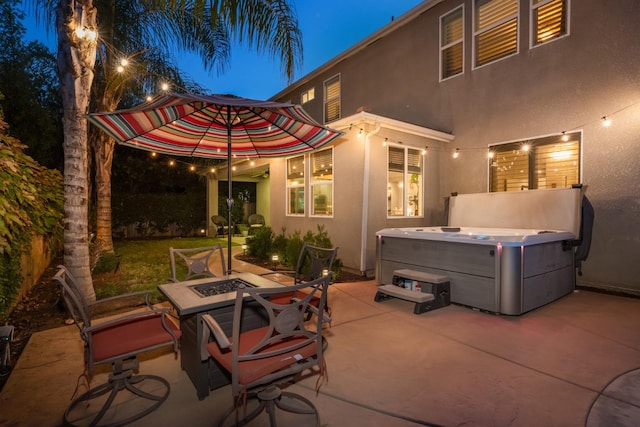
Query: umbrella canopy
x=216, y=126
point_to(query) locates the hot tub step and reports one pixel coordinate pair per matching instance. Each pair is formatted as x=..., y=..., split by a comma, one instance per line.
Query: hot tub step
x=423, y=300
x=434, y=289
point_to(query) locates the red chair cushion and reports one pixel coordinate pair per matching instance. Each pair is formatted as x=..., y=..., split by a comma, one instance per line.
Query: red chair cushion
x=251, y=370
x=130, y=336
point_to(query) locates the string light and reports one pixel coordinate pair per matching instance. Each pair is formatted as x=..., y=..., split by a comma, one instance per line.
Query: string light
x=606, y=122
x=456, y=153
x=360, y=133
x=384, y=143
x=491, y=154
x=565, y=137
x=424, y=151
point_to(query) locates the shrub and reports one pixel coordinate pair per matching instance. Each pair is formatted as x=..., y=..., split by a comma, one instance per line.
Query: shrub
x=31, y=203
x=259, y=245
x=263, y=244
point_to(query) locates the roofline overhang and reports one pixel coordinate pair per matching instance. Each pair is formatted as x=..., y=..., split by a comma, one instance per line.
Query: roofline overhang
x=388, y=123
x=389, y=28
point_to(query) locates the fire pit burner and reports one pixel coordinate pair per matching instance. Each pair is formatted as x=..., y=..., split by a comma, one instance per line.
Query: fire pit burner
x=219, y=287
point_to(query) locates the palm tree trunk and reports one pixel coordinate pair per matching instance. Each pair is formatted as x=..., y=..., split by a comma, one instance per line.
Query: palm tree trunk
x=103, y=151
x=76, y=59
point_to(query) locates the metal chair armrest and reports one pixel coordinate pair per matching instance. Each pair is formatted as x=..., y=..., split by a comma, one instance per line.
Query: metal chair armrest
x=122, y=297
x=210, y=326
x=130, y=316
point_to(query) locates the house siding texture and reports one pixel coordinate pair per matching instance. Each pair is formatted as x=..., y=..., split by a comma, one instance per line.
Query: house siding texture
x=568, y=84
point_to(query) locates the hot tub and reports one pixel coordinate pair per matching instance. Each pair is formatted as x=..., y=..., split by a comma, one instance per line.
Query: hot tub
x=507, y=270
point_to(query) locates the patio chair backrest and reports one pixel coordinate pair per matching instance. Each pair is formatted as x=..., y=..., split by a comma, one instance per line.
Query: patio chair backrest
x=74, y=301
x=197, y=260
x=264, y=349
x=256, y=219
x=314, y=262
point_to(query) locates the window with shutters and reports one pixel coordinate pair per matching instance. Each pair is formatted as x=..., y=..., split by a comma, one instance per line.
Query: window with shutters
x=548, y=162
x=295, y=185
x=404, y=182
x=321, y=183
x=452, y=43
x=332, y=99
x=549, y=20
x=495, y=30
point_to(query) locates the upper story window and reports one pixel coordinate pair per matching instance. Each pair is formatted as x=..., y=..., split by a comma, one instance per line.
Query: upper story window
x=548, y=162
x=332, y=99
x=404, y=182
x=549, y=20
x=295, y=185
x=495, y=30
x=307, y=95
x=321, y=182
x=452, y=43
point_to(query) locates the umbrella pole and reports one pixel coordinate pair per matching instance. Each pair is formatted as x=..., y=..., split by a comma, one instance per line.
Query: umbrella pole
x=229, y=188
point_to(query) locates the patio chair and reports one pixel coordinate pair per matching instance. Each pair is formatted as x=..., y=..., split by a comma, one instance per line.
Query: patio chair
x=197, y=260
x=260, y=359
x=313, y=262
x=222, y=226
x=256, y=221
x=117, y=341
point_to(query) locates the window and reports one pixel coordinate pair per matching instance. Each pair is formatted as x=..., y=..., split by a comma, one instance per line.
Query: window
x=549, y=162
x=308, y=95
x=332, y=99
x=452, y=43
x=548, y=20
x=295, y=186
x=321, y=182
x=495, y=30
x=404, y=182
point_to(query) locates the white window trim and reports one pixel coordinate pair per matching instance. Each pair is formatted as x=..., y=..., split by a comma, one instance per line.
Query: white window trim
x=406, y=176
x=452, y=43
x=287, y=187
x=312, y=184
x=532, y=37
x=475, y=33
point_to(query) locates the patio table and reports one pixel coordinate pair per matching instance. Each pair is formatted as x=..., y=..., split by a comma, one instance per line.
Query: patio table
x=192, y=299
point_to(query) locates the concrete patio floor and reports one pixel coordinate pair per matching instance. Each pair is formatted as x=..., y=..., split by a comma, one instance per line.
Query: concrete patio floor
x=575, y=362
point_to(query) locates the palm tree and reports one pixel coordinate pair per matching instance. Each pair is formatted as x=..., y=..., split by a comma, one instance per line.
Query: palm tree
x=266, y=25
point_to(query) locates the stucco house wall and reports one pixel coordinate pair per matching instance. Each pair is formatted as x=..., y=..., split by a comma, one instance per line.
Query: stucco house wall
x=565, y=85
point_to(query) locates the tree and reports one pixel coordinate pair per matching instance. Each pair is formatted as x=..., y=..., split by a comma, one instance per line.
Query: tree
x=28, y=80
x=266, y=25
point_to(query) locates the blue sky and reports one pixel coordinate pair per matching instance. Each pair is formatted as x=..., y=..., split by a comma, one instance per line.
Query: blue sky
x=328, y=27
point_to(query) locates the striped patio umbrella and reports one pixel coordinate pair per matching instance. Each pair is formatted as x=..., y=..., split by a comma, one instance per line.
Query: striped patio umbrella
x=216, y=126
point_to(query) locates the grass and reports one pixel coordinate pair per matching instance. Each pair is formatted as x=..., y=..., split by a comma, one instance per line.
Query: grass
x=141, y=265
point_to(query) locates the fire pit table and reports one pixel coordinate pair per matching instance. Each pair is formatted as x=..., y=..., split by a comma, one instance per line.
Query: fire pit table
x=215, y=296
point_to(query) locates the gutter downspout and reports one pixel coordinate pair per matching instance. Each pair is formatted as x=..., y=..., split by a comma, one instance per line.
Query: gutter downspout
x=365, y=200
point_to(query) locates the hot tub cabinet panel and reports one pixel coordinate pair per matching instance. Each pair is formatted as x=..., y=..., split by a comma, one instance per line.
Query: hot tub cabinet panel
x=477, y=260
x=511, y=275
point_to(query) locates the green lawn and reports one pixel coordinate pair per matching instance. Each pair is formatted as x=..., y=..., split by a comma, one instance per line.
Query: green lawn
x=141, y=264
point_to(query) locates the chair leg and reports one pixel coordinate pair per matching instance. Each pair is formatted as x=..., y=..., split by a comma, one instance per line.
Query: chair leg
x=81, y=413
x=269, y=399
